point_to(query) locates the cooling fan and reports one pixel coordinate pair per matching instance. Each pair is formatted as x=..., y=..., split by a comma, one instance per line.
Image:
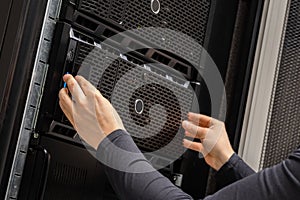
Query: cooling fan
x=151, y=100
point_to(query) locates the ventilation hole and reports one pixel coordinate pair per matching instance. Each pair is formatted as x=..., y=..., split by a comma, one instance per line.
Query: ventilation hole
x=86, y=23
x=64, y=131
x=181, y=68
x=160, y=58
x=109, y=33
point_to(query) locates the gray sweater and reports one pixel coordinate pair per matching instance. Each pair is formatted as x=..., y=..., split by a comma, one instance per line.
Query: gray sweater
x=239, y=181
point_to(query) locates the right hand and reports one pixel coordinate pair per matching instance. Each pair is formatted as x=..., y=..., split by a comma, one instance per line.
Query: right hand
x=214, y=145
x=92, y=116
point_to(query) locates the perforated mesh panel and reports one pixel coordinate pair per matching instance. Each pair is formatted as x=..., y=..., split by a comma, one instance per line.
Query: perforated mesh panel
x=98, y=8
x=186, y=16
x=283, y=134
x=165, y=103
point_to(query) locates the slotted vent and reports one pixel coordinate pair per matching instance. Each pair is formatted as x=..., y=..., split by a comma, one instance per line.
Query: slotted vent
x=65, y=182
x=107, y=82
x=164, y=102
x=100, y=8
x=84, y=50
x=283, y=134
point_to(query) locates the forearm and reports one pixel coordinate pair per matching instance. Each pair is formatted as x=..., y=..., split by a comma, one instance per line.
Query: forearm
x=279, y=182
x=232, y=171
x=130, y=174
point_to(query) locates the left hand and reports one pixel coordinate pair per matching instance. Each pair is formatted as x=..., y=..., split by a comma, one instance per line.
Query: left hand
x=92, y=115
x=214, y=145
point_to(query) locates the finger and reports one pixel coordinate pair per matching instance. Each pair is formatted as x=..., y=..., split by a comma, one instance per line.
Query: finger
x=65, y=98
x=188, y=134
x=68, y=113
x=74, y=87
x=199, y=119
x=196, y=146
x=85, y=85
x=196, y=131
x=66, y=103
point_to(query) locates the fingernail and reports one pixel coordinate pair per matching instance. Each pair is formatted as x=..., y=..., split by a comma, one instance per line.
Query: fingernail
x=65, y=84
x=184, y=141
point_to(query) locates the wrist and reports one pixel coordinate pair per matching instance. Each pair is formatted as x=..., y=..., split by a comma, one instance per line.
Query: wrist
x=96, y=141
x=224, y=158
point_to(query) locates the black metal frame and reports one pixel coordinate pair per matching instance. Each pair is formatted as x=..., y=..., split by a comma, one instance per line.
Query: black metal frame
x=19, y=45
x=241, y=63
x=22, y=20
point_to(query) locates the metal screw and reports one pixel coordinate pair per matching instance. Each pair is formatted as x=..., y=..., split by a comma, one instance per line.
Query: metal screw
x=145, y=76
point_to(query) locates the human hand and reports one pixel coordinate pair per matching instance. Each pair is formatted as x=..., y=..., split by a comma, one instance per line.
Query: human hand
x=92, y=115
x=214, y=145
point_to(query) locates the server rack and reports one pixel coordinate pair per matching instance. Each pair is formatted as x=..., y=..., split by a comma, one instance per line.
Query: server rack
x=224, y=58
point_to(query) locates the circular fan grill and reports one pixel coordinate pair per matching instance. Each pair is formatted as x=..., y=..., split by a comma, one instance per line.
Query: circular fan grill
x=150, y=106
x=150, y=95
